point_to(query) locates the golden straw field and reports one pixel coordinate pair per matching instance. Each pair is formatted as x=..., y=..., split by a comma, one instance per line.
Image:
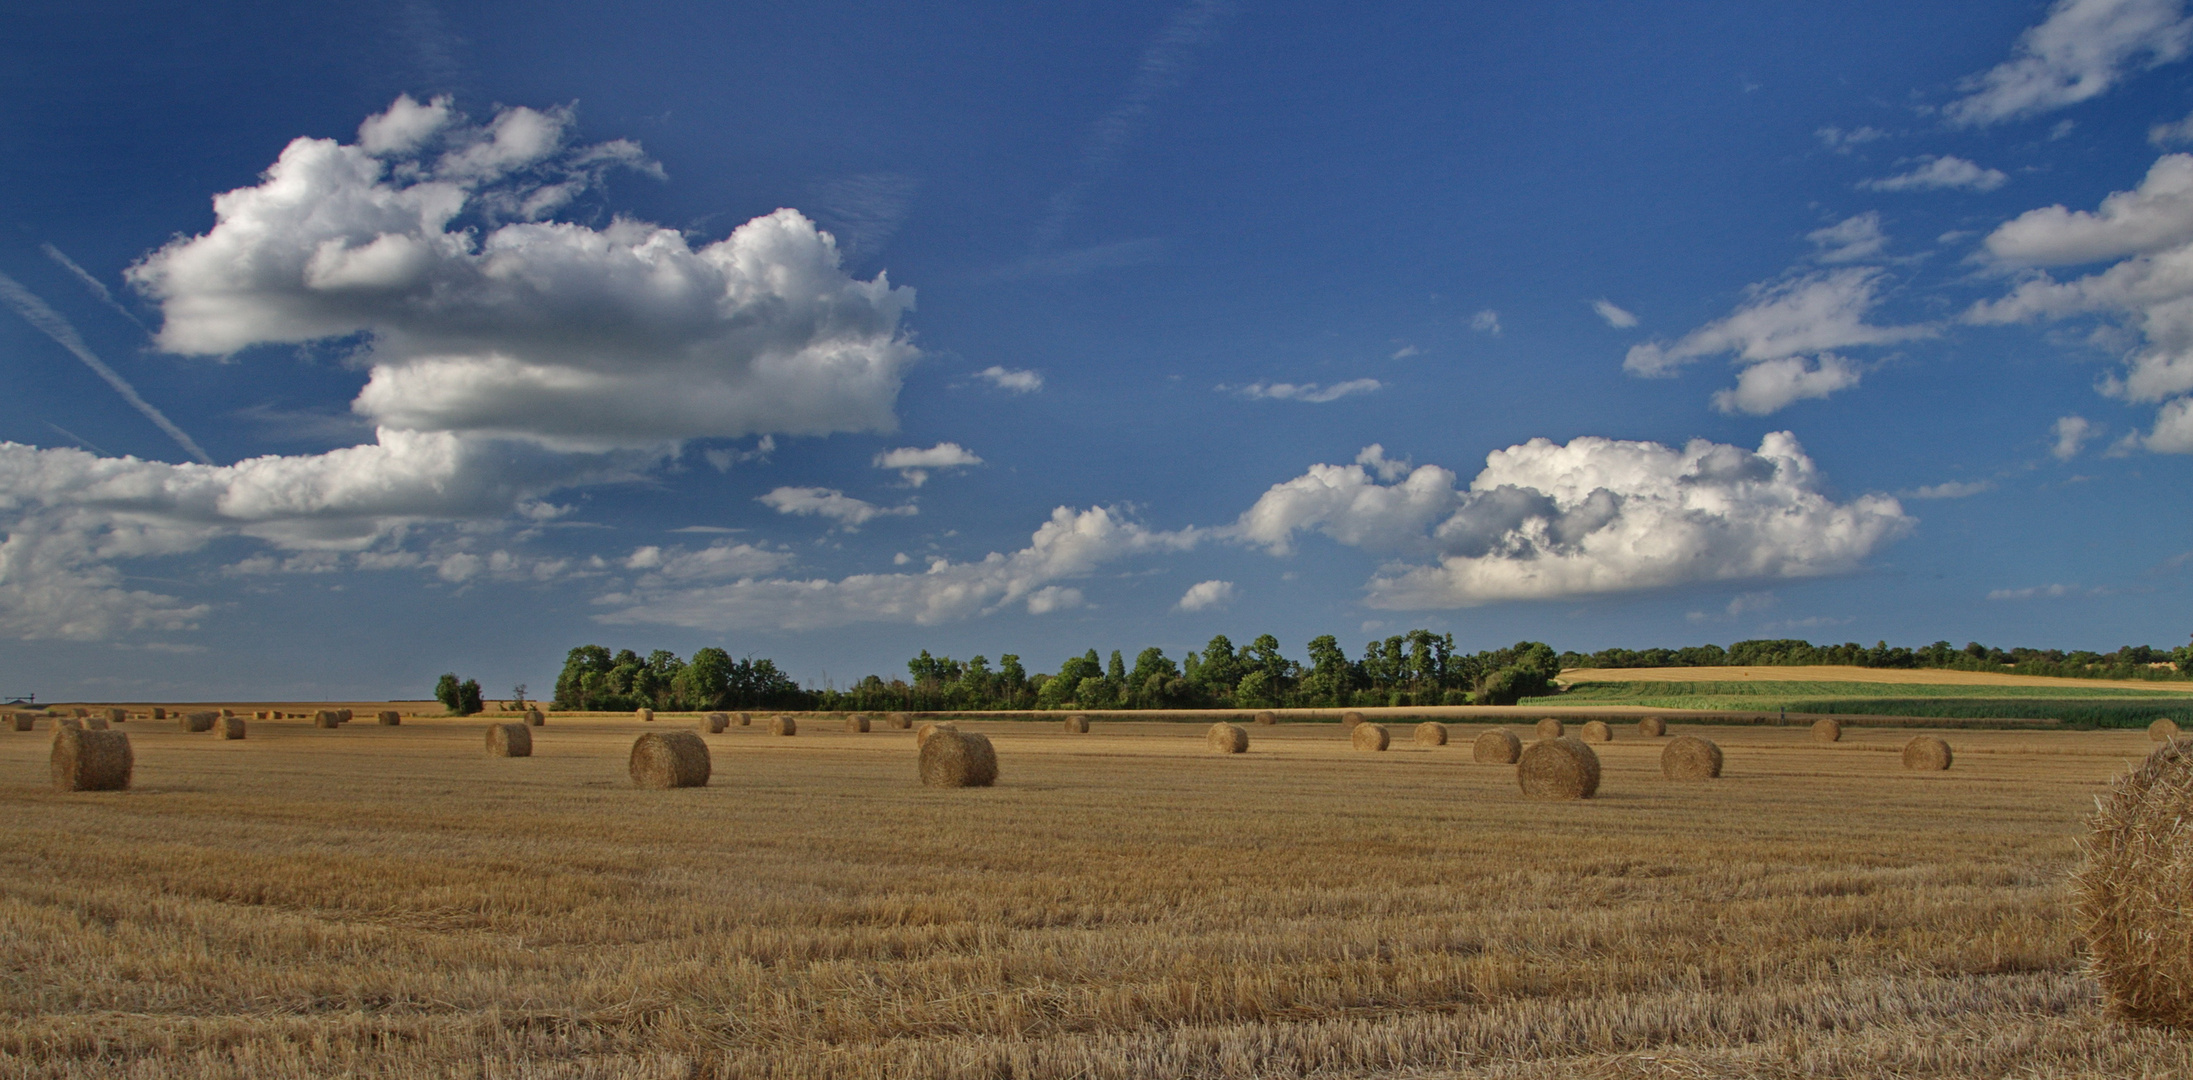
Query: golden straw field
x=391, y=902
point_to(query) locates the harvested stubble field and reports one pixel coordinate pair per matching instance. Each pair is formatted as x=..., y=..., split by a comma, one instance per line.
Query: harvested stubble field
x=390, y=902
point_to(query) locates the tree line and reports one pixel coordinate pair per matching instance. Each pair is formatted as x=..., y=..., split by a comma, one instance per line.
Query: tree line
x=1412, y=669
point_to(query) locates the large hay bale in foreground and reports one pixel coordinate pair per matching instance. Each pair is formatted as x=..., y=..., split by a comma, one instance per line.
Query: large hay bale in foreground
x=782, y=724
x=1550, y=728
x=929, y=731
x=1370, y=737
x=1077, y=725
x=91, y=760
x=1688, y=757
x=1827, y=731
x=1225, y=738
x=958, y=759
x=230, y=727
x=1598, y=731
x=1652, y=727
x=327, y=718
x=1925, y=753
x=198, y=721
x=647, y=716
x=1430, y=733
x=389, y=718
x=900, y=721
x=716, y=722
x=536, y=718
x=509, y=740
x=1496, y=747
x=2135, y=886
x=2163, y=730
x=1350, y=719
x=1267, y=718
x=856, y=723
x=1561, y=768
x=670, y=759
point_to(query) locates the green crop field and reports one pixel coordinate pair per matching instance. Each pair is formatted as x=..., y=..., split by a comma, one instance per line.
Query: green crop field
x=2077, y=706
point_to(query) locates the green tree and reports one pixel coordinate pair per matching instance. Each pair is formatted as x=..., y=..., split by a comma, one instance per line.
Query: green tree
x=468, y=698
x=446, y=692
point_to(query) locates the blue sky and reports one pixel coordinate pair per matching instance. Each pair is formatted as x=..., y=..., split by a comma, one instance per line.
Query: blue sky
x=346, y=347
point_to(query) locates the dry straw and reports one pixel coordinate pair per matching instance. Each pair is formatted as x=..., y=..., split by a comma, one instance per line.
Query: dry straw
x=1496, y=747
x=1267, y=718
x=2132, y=891
x=1225, y=738
x=1550, y=728
x=900, y=721
x=69, y=722
x=1431, y=733
x=198, y=721
x=1370, y=737
x=509, y=740
x=117, y=716
x=342, y=716
x=856, y=722
x=1652, y=727
x=929, y=731
x=1598, y=731
x=1558, y=769
x=782, y=724
x=159, y=713
x=1827, y=731
x=1925, y=753
x=1077, y=725
x=2163, y=730
x=744, y=719
x=390, y=718
x=24, y=721
x=327, y=718
x=958, y=759
x=95, y=723
x=230, y=727
x=80, y=713
x=91, y=760
x=670, y=759
x=1351, y=719
x=715, y=722
x=647, y=716
x=536, y=718
x=1688, y=757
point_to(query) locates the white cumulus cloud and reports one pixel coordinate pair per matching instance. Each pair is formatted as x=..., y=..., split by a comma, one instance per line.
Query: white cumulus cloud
x=430, y=236
x=1779, y=322
x=1017, y=381
x=1595, y=516
x=1204, y=595
x=850, y=513
x=1769, y=385
x=914, y=463
x=1940, y=174
x=2082, y=49
x=1310, y=392
x=2072, y=433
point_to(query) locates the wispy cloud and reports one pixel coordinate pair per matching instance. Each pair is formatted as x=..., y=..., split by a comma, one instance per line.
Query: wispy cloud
x=1019, y=381
x=51, y=323
x=850, y=513
x=1938, y=174
x=1616, y=317
x=98, y=288
x=1486, y=322
x=1310, y=392
x=914, y=463
x=2082, y=49
x=1952, y=489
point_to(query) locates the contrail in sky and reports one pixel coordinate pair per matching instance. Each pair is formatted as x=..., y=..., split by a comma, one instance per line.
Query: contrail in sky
x=98, y=287
x=53, y=325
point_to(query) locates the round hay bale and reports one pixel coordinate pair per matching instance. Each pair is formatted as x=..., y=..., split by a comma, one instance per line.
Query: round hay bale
x=745, y=719
x=1561, y=768
x=1652, y=727
x=117, y=716
x=23, y=721
x=1550, y=728
x=1350, y=719
x=1225, y=738
x=91, y=760
x=95, y=723
x=159, y=713
x=1267, y=718
x=509, y=740
x=1827, y=731
x=1598, y=731
x=69, y=723
x=929, y=731
x=857, y=723
x=2163, y=730
x=1370, y=737
x=535, y=718
x=715, y=722
x=2133, y=888
x=647, y=716
x=1430, y=733
x=1688, y=757
x=390, y=718
x=900, y=721
x=1077, y=725
x=198, y=721
x=958, y=759
x=80, y=713
x=231, y=727
x=327, y=718
x=342, y=716
x=782, y=724
x=670, y=759
x=1925, y=753
x=1496, y=747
